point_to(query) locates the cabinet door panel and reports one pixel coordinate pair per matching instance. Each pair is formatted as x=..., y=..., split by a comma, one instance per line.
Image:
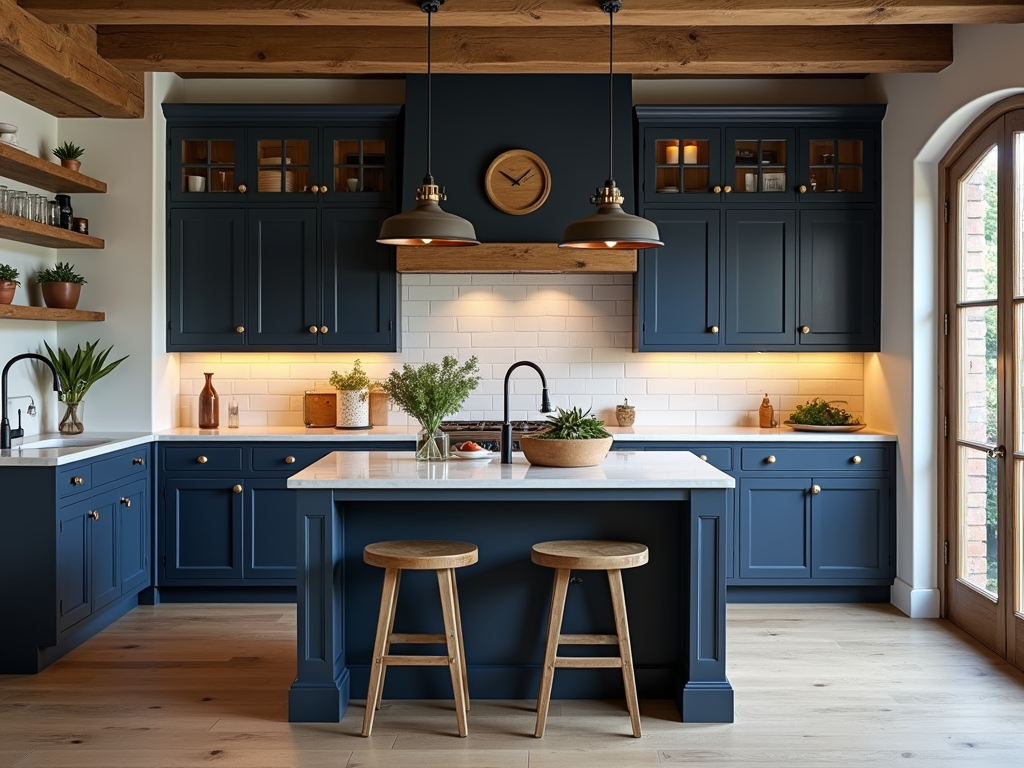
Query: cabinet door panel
x=359, y=164
x=74, y=599
x=282, y=299
x=760, y=288
x=838, y=279
x=774, y=528
x=679, y=301
x=358, y=281
x=285, y=163
x=681, y=165
x=270, y=531
x=133, y=537
x=202, y=529
x=850, y=528
x=211, y=153
x=106, y=582
x=206, y=279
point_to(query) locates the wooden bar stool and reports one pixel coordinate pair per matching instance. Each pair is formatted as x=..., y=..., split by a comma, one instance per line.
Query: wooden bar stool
x=610, y=556
x=443, y=557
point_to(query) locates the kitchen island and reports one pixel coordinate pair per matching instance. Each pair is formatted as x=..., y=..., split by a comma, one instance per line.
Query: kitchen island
x=671, y=501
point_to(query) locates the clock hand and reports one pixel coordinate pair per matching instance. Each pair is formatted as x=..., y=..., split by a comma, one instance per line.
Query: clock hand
x=523, y=176
x=514, y=181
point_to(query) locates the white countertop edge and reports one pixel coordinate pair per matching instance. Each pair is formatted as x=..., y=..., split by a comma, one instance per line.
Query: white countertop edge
x=48, y=457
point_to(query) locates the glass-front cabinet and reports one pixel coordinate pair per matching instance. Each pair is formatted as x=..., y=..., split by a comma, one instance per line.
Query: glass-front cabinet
x=208, y=162
x=760, y=160
x=687, y=165
x=358, y=164
x=837, y=164
x=285, y=162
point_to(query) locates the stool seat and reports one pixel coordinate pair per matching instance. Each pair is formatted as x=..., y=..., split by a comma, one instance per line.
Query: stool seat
x=584, y=555
x=421, y=555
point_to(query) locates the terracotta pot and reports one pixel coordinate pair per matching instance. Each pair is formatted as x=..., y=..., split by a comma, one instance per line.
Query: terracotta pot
x=71, y=165
x=7, y=289
x=61, y=295
x=565, y=453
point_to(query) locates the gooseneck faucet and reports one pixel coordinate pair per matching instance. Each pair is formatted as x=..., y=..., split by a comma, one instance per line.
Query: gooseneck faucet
x=6, y=433
x=506, y=425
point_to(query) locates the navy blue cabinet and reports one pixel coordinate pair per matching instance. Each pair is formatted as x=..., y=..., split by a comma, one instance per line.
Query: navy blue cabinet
x=273, y=214
x=202, y=519
x=786, y=201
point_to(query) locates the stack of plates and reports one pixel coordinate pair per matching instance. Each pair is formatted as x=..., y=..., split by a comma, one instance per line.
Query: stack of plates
x=270, y=181
x=9, y=133
x=273, y=160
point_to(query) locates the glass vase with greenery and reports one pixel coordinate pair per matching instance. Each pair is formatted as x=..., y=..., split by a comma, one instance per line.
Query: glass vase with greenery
x=77, y=373
x=429, y=392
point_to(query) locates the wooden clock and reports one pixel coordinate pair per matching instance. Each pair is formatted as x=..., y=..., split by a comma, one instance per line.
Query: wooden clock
x=517, y=182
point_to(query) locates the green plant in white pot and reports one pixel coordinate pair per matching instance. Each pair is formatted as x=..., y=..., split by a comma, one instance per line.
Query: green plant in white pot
x=77, y=373
x=353, y=397
x=574, y=439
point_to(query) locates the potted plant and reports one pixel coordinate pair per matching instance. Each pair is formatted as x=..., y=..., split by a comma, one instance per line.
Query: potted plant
x=430, y=392
x=353, y=400
x=61, y=285
x=8, y=283
x=77, y=373
x=68, y=155
x=575, y=439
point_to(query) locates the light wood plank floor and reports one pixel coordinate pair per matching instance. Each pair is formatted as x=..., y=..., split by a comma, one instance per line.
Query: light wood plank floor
x=816, y=685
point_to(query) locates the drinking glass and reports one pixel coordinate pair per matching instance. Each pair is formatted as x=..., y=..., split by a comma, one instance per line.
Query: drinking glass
x=53, y=213
x=4, y=194
x=19, y=201
x=39, y=208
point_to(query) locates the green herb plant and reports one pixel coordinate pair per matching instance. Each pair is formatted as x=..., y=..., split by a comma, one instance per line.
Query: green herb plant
x=68, y=151
x=574, y=425
x=78, y=372
x=353, y=381
x=429, y=392
x=62, y=272
x=822, y=413
x=8, y=274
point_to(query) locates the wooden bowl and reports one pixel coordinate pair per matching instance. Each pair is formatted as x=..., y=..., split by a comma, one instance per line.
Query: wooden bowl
x=565, y=453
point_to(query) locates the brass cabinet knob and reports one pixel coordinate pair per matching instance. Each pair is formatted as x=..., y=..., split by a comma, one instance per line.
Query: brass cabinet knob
x=242, y=188
x=77, y=481
x=324, y=329
x=239, y=329
x=728, y=189
x=770, y=459
x=237, y=489
x=93, y=514
x=714, y=329
x=202, y=459
x=805, y=329
x=815, y=489
x=138, y=461
x=716, y=189
x=126, y=501
x=703, y=457
x=289, y=459
x=856, y=459
x=312, y=329
x=802, y=188
x=314, y=189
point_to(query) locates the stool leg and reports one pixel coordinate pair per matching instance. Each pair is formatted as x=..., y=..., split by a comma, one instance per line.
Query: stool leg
x=387, y=639
x=625, y=650
x=385, y=618
x=451, y=631
x=547, y=672
x=462, y=643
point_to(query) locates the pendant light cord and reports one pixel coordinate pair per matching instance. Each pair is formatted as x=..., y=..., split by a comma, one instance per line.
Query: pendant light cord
x=611, y=83
x=430, y=13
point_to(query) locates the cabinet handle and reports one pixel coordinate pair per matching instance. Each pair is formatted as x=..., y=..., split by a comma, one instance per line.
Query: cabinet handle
x=138, y=461
x=815, y=489
x=237, y=489
x=312, y=329
x=770, y=459
x=703, y=457
x=714, y=329
x=856, y=459
x=289, y=459
x=805, y=329
x=802, y=188
x=202, y=459
x=314, y=189
x=77, y=481
x=728, y=189
x=716, y=189
x=242, y=188
x=93, y=514
x=239, y=329
x=324, y=329
x=126, y=501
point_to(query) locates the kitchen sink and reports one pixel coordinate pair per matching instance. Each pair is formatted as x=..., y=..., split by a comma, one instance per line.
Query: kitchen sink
x=63, y=442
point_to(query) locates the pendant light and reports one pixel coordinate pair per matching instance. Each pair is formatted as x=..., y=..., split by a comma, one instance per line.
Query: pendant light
x=610, y=227
x=427, y=224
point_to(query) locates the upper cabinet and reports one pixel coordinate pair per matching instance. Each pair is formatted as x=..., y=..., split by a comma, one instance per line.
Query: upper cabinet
x=772, y=227
x=273, y=213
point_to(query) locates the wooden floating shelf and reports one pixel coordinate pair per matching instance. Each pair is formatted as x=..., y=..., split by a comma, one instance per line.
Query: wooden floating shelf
x=26, y=231
x=515, y=257
x=19, y=165
x=22, y=312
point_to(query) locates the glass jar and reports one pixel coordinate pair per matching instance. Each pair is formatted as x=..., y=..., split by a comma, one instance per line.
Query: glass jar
x=19, y=202
x=432, y=447
x=66, y=211
x=53, y=213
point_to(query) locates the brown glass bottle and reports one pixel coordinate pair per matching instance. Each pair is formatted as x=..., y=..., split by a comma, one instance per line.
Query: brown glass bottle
x=209, y=405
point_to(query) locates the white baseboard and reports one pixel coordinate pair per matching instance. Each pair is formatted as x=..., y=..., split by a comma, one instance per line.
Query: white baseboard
x=916, y=603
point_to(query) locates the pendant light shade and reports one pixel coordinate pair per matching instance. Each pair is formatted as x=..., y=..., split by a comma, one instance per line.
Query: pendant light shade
x=427, y=224
x=610, y=227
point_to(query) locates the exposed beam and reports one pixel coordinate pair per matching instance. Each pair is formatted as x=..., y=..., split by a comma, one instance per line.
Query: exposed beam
x=60, y=75
x=638, y=50
x=526, y=13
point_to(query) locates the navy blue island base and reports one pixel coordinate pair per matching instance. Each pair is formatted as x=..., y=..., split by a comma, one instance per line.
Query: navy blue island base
x=670, y=501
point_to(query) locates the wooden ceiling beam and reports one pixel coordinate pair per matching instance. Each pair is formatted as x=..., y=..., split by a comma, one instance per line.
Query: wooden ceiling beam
x=525, y=13
x=640, y=51
x=58, y=73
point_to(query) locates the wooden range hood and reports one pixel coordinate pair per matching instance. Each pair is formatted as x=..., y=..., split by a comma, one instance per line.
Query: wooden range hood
x=515, y=257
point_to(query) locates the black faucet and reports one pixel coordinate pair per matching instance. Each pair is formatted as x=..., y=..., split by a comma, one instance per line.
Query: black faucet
x=6, y=433
x=506, y=425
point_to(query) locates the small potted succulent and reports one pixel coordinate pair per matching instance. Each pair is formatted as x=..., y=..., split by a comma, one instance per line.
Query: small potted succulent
x=61, y=285
x=68, y=155
x=8, y=283
x=574, y=439
x=353, y=397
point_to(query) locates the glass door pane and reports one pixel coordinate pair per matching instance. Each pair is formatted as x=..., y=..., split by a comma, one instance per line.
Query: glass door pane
x=284, y=165
x=359, y=165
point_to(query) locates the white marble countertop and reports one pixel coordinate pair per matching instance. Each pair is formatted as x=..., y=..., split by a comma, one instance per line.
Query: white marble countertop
x=400, y=470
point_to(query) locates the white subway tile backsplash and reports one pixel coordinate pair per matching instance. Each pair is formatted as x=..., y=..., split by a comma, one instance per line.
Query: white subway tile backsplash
x=577, y=327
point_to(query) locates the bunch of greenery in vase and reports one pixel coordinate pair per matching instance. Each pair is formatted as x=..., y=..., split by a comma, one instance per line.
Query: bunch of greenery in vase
x=354, y=388
x=429, y=392
x=77, y=373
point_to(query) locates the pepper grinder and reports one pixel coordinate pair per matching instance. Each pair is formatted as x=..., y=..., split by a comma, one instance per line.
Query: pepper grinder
x=766, y=414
